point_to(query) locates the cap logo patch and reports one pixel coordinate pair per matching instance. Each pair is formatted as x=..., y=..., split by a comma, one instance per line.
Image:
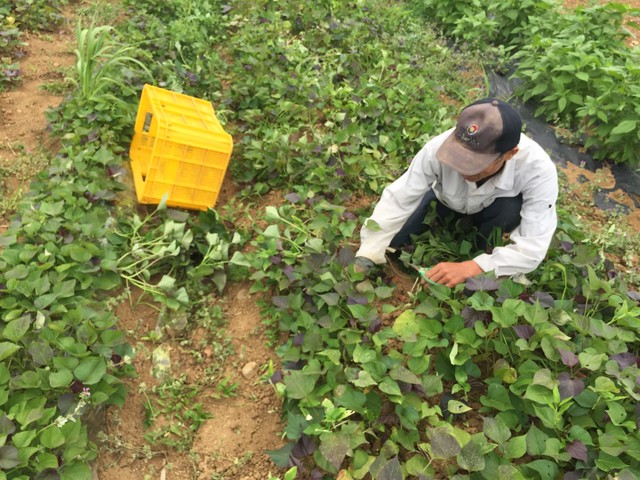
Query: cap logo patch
x=468, y=135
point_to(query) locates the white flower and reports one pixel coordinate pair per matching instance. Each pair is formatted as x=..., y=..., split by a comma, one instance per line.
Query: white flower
x=60, y=421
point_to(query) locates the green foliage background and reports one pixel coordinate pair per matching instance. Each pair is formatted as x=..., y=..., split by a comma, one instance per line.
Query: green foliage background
x=575, y=64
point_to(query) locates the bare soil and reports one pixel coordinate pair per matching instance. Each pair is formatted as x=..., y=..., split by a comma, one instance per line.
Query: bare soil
x=22, y=110
x=232, y=444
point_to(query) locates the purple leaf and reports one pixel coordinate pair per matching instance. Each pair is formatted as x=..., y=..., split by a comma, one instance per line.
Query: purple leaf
x=569, y=388
x=580, y=299
x=7, y=427
x=545, y=299
x=633, y=295
x=276, y=377
x=295, y=462
x=391, y=470
x=578, y=450
x=624, y=359
x=334, y=447
x=280, y=301
x=570, y=359
x=298, y=340
x=92, y=136
x=471, y=316
x=305, y=446
x=288, y=271
x=192, y=77
x=292, y=197
x=566, y=246
x=481, y=282
x=524, y=331
x=443, y=444
x=375, y=325
x=11, y=72
x=297, y=365
x=575, y=475
x=404, y=386
x=357, y=300
x=346, y=256
x=275, y=259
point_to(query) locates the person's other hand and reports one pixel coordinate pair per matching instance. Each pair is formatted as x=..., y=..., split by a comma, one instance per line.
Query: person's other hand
x=453, y=273
x=363, y=265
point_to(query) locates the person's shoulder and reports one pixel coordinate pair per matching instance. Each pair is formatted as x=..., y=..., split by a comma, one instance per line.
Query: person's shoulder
x=531, y=153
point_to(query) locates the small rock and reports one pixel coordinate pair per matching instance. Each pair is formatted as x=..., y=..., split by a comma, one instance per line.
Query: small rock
x=249, y=370
x=243, y=295
x=174, y=323
x=161, y=361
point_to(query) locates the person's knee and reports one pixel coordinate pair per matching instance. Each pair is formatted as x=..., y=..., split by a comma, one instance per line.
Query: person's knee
x=415, y=223
x=503, y=213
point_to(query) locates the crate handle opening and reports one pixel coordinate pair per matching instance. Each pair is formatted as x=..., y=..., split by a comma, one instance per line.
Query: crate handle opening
x=147, y=122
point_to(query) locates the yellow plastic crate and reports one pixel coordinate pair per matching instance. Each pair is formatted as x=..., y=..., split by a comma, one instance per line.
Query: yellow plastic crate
x=178, y=149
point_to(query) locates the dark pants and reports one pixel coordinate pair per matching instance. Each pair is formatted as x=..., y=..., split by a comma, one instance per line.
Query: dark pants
x=503, y=213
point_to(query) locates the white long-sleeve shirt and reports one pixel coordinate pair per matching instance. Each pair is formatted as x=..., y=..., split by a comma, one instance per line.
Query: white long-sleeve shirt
x=529, y=172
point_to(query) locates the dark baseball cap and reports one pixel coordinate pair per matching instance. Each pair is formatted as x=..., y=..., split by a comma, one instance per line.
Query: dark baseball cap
x=485, y=130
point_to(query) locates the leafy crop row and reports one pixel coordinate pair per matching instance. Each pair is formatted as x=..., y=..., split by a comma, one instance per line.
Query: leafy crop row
x=60, y=349
x=545, y=371
x=70, y=244
x=575, y=64
x=339, y=95
x=17, y=16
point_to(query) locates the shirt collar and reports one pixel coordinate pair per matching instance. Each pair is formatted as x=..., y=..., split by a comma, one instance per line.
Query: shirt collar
x=506, y=179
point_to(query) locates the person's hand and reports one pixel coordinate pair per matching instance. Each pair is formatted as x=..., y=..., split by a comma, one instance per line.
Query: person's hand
x=363, y=265
x=453, y=273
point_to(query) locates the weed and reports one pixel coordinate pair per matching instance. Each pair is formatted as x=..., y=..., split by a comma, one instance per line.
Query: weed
x=99, y=61
x=172, y=414
x=225, y=388
x=57, y=87
x=118, y=446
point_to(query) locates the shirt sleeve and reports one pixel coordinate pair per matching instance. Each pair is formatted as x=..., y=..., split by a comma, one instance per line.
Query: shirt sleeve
x=531, y=239
x=398, y=201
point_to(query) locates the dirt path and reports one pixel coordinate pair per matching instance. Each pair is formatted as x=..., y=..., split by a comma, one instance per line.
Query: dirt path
x=23, y=123
x=232, y=444
x=22, y=110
